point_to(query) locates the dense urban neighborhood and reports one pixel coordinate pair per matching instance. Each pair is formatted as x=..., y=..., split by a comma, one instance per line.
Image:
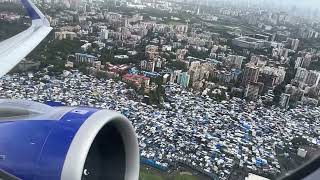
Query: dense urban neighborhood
x=220, y=89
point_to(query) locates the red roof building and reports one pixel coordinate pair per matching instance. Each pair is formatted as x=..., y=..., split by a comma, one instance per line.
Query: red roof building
x=137, y=80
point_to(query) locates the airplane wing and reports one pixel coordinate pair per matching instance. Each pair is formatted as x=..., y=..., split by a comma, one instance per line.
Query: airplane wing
x=14, y=49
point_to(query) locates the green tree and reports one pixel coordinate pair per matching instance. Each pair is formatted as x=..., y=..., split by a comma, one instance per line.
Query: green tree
x=9, y=29
x=101, y=75
x=198, y=54
x=179, y=65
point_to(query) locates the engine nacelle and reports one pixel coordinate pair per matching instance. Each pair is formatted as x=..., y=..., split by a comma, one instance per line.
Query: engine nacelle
x=40, y=142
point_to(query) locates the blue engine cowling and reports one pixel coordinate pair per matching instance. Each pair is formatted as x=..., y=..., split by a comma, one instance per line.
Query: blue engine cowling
x=40, y=142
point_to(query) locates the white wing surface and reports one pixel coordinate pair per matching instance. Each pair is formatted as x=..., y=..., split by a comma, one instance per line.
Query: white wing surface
x=14, y=49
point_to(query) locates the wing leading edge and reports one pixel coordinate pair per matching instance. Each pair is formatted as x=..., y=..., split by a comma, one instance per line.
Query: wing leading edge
x=14, y=49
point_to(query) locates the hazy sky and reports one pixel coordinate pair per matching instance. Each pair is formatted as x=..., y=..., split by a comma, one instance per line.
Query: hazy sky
x=305, y=3
x=310, y=3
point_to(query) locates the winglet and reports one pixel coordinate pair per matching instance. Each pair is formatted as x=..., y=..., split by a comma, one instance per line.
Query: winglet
x=35, y=14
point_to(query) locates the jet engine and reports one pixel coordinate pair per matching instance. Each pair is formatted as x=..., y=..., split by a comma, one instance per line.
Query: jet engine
x=42, y=142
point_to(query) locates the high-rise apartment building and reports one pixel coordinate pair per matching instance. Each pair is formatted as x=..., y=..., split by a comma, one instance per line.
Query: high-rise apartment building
x=251, y=74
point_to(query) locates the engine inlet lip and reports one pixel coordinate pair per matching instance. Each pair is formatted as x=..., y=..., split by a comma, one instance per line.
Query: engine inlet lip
x=80, y=146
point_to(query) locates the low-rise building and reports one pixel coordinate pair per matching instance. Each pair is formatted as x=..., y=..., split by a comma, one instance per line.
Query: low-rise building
x=85, y=58
x=65, y=35
x=137, y=80
x=251, y=43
